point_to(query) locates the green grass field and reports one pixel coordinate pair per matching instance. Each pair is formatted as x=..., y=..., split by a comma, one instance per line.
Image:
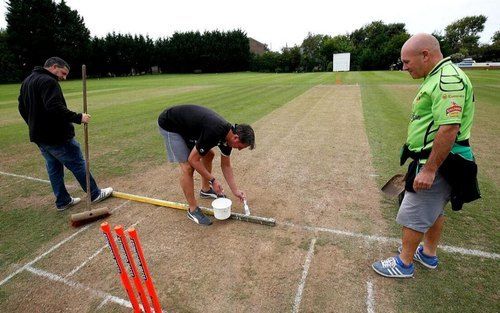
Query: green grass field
x=124, y=139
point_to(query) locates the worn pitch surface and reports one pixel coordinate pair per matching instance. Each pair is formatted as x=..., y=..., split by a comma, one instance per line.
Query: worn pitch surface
x=312, y=167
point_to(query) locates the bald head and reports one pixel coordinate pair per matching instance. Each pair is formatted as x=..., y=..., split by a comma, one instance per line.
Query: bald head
x=420, y=42
x=420, y=54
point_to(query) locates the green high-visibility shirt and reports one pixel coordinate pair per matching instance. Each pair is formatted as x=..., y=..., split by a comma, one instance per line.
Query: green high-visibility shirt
x=445, y=97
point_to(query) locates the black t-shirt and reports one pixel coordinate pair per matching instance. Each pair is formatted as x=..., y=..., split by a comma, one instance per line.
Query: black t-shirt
x=198, y=126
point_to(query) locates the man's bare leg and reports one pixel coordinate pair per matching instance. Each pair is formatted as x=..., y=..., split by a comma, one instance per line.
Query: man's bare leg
x=187, y=184
x=432, y=236
x=207, y=162
x=411, y=240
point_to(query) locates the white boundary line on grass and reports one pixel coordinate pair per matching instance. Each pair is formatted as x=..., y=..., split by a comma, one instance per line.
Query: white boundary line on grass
x=77, y=285
x=370, y=299
x=300, y=288
x=382, y=239
x=56, y=246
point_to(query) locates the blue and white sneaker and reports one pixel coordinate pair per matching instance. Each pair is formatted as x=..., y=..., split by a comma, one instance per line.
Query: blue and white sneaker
x=103, y=194
x=393, y=267
x=72, y=202
x=419, y=256
x=198, y=217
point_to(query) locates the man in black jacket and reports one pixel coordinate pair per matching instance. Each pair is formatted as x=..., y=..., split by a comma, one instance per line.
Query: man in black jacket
x=42, y=106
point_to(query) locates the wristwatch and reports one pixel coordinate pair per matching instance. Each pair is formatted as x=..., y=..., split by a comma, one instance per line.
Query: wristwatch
x=212, y=181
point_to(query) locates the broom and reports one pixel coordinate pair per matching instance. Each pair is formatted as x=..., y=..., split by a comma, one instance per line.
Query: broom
x=96, y=214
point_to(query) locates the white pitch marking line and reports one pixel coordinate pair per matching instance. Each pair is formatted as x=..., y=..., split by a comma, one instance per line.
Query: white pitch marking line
x=103, y=303
x=38, y=258
x=370, y=300
x=32, y=178
x=450, y=249
x=300, y=289
x=25, y=177
x=19, y=270
x=74, y=284
x=76, y=269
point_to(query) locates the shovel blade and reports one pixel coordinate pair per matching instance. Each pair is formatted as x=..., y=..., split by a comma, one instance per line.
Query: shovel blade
x=394, y=186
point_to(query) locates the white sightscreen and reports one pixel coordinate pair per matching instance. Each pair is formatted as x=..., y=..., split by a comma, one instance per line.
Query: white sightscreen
x=341, y=62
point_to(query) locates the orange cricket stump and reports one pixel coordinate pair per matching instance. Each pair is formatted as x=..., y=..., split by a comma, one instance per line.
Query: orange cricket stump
x=134, y=237
x=133, y=268
x=106, y=229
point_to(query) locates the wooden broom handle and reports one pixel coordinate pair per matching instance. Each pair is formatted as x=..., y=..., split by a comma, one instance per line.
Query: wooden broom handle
x=86, y=136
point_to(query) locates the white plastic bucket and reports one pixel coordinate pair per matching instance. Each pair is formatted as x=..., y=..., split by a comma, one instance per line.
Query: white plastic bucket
x=222, y=208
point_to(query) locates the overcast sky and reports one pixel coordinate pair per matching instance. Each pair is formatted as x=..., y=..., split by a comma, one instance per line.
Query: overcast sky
x=273, y=22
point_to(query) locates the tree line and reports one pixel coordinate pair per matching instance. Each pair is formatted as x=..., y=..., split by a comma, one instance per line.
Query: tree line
x=377, y=46
x=38, y=29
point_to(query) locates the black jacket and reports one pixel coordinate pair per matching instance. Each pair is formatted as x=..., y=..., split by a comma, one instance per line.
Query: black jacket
x=42, y=106
x=459, y=172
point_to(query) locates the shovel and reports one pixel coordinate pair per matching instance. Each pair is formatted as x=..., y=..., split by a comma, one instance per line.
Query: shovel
x=394, y=186
x=90, y=215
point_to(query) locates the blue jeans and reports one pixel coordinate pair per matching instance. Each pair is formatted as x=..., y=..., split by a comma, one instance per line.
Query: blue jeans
x=69, y=155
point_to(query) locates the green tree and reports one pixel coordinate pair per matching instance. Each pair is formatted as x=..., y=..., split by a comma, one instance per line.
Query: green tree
x=269, y=61
x=31, y=25
x=312, y=59
x=496, y=38
x=446, y=49
x=491, y=53
x=214, y=51
x=290, y=59
x=337, y=44
x=463, y=35
x=71, y=37
x=9, y=69
x=377, y=46
x=39, y=29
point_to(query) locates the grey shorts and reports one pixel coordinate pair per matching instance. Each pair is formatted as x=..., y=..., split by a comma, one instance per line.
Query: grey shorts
x=177, y=149
x=419, y=210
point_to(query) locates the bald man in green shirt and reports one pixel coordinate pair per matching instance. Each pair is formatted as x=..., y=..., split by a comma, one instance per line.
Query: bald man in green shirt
x=438, y=131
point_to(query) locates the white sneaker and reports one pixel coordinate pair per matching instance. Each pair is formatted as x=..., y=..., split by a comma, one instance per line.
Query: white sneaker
x=105, y=193
x=74, y=201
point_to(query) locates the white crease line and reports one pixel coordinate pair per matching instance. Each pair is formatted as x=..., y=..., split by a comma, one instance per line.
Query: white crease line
x=120, y=206
x=25, y=177
x=300, y=289
x=34, y=179
x=479, y=253
x=382, y=239
x=19, y=270
x=38, y=258
x=451, y=249
x=103, y=303
x=76, y=269
x=370, y=300
x=74, y=284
